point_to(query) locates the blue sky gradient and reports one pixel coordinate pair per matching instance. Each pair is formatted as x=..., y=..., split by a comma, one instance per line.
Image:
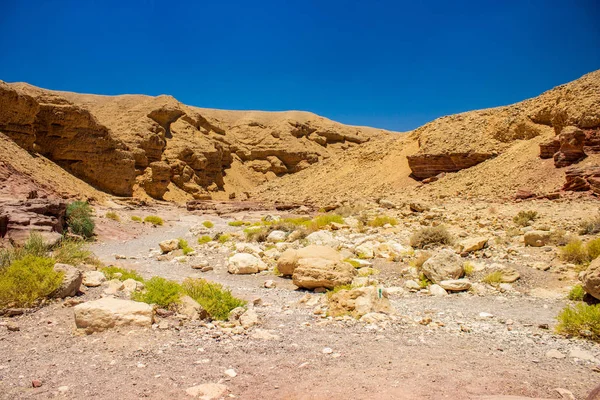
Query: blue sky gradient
x=388, y=64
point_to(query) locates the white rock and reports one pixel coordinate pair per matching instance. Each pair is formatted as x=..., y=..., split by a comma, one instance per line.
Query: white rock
x=244, y=263
x=208, y=391
x=93, y=278
x=437, y=290
x=276, y=236
x=230, y=373
x=412, y=285
x=553, y=353
x=249, y=318
x=113, y=287
x=327, y=350
x=108, y=312
x=323, y=238
x=131, y=285
x=456, y=285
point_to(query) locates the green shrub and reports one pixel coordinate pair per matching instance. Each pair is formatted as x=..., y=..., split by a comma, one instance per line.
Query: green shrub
x=383, y=220
x=183, y=245
x=218, y=302
x=590, y=226
x=468, y=268
x=574, y=252
x=224, y=238
x=33, y=247
x=431, y=236
x=72, y=252
x=354, y=263
x=577, y=293
x=28, y=280
x=112, y=271
x=79, y=219
x=593, y=248
x=339, y=288
x=159, y=291
x=154, y=220
x=524, y=217
x=324, y=220
x=135, y=218
x=493, y=278
x=113, y=215
x=582, y=320
x=424, y=281
x=236, y=223
x=208, y=224
x=204, y=239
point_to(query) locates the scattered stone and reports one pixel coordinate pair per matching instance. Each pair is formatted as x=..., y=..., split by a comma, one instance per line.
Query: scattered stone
x=445, y=265
x=276, y=236
x=108, y=312
x=230, y=373
x=249, y=318
x=131, y=285
x=71, y=282
x=359, y=301
x=264, y=335
x=412, y=285
x=536, y=238
x=553, y=353
x=473, y=244
x=191, y=309
x=456, y=285
x=113, y=287
x=327, y=350
x=312, y=273
x=269, y=284
x=244, y=263
x=12, y=327
x=583, y=355
x=509, y=275
x=167, y=246
x=208, y=391
x=93, y=278
x=322, y=238
x=36, y=383
x=437, y=290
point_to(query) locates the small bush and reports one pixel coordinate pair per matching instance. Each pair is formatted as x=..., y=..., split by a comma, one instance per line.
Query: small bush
x=33, y=247
x=468, y=268
x=28, y=280
x=236, y=223
x=112, y=271
x=493, y=278
x=183, y=245
x=420, y=260
x=560, y=237
x=79, y=219
x=380, y=221
x=593, y=248
x=154, y=220
x=208, y=224
x=574, y=252
x=322, y=221
x=218, y=302
x=159, y=291
x=582, y=320
x=431, y=236
x=113, y=215
x=72, y=252
x=524, y=217
x=204, y=239
x=339, y=288
x=135, y=218
x=590, y=226
x=424, y=281
x=577, y=293
x=354, y=263
x=224, y=238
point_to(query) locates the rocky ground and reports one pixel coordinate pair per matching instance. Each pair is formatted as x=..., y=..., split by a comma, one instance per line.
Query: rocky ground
x=466, y=345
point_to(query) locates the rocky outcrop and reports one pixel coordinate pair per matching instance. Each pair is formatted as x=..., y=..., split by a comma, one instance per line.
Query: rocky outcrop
x=571, y=141
x=582, y=179
x=429, y=165
x=18, y=219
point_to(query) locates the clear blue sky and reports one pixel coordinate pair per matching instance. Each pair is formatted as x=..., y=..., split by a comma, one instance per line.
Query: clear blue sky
x=389, y=64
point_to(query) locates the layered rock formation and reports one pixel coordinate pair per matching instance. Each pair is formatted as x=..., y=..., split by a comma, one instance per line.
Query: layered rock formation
x=121, y=143
x=19, y=218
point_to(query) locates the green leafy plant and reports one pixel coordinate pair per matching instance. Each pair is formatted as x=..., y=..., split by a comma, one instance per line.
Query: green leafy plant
x=431, y=236
x=72, y=252
x=208, y=224
x=236, y=223
x=383, y=220
x=582, y=320
x=424, y=281
x=493, y=278
x=224, y=238
x=183, y=245
x=154, y=220
x=204, y=239
x=27, y=280
x=113, y=215
x=469, y=268
x=79, y=219
x=121, y=274
x=590, y=226
x=135, y=218
x=577, y=293
x=159, y=291
x=216, y=300
x=524, y=217
x=593, y=248
x=339, y=288
x=352, y=262
x=574, y=252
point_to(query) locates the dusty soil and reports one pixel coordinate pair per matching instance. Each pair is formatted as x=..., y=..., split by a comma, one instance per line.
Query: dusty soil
x=458, y=355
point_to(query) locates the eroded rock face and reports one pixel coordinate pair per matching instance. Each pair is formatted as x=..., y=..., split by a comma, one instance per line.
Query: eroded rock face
x=429, y=165
x=18, y=219
x=571, y=141
x=582, y=179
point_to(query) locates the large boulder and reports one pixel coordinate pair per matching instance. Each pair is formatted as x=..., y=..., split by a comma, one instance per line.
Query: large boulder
x=109, y=312
x=536, y=238
x=590, y=279
x=443, y=266
x=72, y=278
x=288, y=261
x=359, y=301
x=244, y=263
x=312, y=273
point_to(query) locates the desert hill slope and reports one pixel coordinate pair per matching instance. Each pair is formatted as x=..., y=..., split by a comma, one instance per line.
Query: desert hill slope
x=157, y=147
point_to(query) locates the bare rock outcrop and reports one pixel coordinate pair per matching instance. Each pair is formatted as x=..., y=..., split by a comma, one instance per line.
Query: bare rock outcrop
x=582, y=179
x=19, y=218
x=571, y=141
x=429, y=165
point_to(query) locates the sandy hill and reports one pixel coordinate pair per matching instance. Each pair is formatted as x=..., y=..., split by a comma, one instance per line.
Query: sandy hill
x=157, y=147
